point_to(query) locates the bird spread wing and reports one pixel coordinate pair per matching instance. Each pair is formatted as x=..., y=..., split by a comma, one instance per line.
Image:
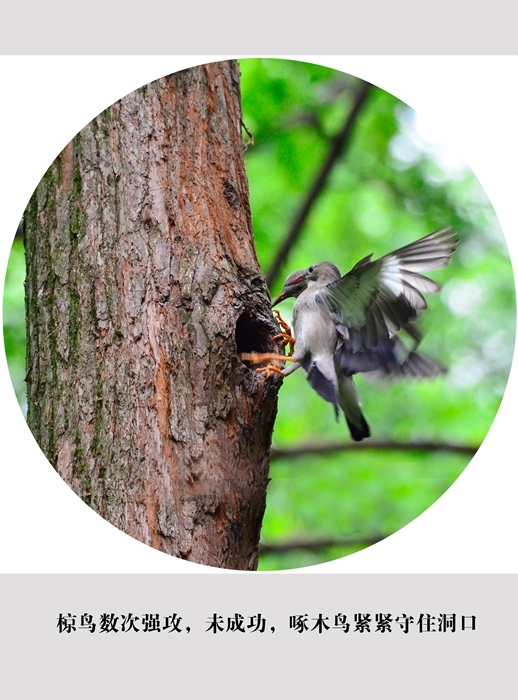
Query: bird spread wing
x=390, y=359
x=377, y=298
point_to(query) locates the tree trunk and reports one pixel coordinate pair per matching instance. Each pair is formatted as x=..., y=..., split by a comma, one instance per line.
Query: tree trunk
x=143, y=286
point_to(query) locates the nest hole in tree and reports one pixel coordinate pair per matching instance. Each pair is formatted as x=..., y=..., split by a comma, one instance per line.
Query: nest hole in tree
x=252, y=335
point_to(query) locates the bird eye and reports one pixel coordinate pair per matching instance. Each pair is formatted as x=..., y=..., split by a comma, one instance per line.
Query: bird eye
x=310, y=269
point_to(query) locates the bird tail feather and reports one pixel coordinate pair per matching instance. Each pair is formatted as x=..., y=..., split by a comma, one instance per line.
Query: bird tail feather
x=323, y=386
x=350, y=403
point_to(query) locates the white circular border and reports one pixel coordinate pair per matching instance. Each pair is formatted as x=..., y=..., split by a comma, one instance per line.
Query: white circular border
x=45, y=527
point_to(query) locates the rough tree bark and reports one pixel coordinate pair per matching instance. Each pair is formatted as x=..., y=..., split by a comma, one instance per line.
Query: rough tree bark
x=142, y=288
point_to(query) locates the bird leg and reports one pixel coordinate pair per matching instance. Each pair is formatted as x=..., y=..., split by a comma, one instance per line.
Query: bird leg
x=286, y=339
x=256, y=358
x=286, y=335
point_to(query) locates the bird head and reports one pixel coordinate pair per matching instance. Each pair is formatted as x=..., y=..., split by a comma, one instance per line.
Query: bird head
x=320, y=274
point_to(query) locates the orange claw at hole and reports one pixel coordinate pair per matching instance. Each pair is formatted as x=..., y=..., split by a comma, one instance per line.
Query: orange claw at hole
x=286, y=335
x=256, y=358
x=270, y=369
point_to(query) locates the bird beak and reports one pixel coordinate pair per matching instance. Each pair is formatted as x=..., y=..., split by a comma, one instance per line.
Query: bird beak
x=289, y=287
x=280, y=298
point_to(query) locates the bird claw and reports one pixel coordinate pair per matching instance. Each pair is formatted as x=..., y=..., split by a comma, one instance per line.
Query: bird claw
x=255, y=358
x=287, y=338
x=270, y=370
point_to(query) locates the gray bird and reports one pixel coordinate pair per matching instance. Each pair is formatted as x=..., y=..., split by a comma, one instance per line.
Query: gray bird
x=350, y=324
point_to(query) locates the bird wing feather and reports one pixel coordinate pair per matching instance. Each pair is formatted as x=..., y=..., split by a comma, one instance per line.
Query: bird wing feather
x=377, y=298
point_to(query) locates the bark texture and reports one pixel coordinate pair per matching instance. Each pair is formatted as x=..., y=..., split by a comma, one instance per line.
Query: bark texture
x=142, y=288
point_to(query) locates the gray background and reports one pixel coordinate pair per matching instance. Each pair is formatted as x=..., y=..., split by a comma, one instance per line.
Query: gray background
x=38, y=660
x=398, y=27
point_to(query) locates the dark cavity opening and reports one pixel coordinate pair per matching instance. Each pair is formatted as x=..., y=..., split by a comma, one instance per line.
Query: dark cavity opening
x=252, y=335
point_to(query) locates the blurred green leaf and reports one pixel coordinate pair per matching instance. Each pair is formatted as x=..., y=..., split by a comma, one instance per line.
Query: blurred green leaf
x=390, y=188
x=14, y=319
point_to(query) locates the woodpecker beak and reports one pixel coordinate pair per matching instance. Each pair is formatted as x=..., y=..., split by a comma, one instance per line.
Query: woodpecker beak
x=280, y=298
x=291, y=286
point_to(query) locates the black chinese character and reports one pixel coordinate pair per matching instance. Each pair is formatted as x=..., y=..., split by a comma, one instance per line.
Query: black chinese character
x=383, y=622
x=151, y=622
x=235, y=624
x=447, y=622
x=108, y=622
x=320, y=623
x=404, y=621
x=87, y=622
x=362, y=622
x=129, y=622
x=256, y=623
x=299, y=623
x=172, y=623
x=215, y=624
x=66, y=623
x=468, y=622
x=341, y=622
x=426, y=623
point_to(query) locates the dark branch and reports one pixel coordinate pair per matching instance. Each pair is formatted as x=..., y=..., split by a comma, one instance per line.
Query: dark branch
x=19, y=230
x=318, y=544
x=338, y=146
x=305, y=450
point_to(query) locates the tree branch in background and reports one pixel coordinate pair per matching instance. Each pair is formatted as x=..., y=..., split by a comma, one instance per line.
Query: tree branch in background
x=338, y=146
x=319, y=544
x=330, y=448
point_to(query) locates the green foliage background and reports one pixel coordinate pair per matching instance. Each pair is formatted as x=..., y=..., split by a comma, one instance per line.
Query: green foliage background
x=390, y=187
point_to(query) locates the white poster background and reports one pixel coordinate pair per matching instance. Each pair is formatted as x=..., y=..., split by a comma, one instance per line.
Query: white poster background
x=47, y=100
